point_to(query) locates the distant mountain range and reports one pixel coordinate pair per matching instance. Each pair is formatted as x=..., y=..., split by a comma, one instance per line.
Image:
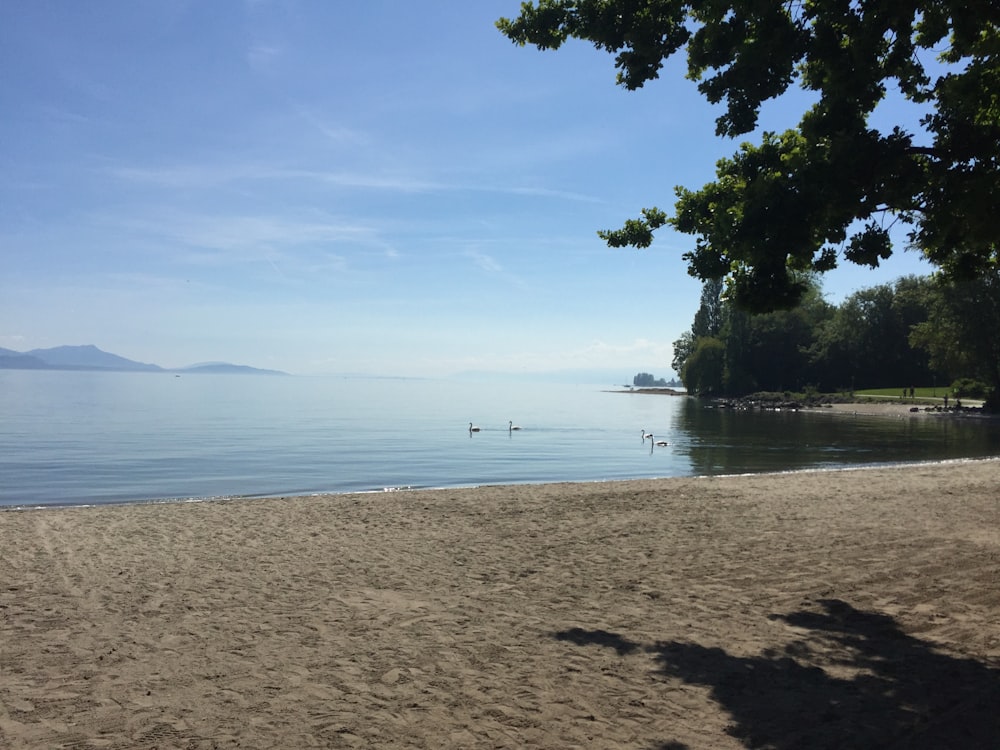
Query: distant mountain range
x=89, y=357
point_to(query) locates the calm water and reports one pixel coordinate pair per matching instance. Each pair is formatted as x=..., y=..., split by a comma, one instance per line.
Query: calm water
x=75, y=437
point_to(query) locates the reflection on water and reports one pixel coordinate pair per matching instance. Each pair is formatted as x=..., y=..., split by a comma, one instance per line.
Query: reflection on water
x=728, y=441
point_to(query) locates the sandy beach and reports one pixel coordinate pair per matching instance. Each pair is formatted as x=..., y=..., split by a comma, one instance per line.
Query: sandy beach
x=849, y=609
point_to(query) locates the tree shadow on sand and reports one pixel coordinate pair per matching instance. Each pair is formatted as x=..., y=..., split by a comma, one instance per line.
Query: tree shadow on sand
x=853, y=680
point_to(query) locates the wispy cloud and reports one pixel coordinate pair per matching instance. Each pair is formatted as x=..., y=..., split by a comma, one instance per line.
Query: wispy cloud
x=492, y=267
x=560, y=194
x=262, y=57
x=484, y=261
x=189, y=176
x=64, y=116
x=229, y=231
x=389, y=182
x=594, y=355
x=11, y=340
x=205, y=176
x=257, y=231
x=334, y=132
x=302, y=246
x=641, y=350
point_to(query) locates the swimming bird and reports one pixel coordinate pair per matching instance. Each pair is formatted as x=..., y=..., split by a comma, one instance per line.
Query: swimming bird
x=512, y=426
x=645, y=434
x=473, y=428
x=662, y=443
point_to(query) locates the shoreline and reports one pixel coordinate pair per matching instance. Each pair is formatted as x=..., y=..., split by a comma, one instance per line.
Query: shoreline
x=25, y=508
x=853, y=608
x=863, y=406
x=889, y=409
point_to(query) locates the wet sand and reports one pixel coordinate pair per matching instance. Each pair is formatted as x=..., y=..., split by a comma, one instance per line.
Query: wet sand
x=808, y=610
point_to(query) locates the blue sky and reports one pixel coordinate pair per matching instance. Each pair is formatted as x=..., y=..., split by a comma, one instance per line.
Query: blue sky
x=331, y=187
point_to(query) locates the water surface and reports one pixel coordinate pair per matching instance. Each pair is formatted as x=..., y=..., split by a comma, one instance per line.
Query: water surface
x=91, y=437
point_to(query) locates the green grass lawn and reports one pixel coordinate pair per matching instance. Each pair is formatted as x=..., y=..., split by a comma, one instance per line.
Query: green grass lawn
x=918, y=393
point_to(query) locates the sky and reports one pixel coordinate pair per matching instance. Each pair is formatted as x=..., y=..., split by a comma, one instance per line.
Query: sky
x=381, y=188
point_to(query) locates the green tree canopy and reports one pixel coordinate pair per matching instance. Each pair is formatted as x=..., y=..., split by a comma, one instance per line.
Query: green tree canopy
x=704, y=370
x=866, y=342
x=831, y=185
x=960, y=333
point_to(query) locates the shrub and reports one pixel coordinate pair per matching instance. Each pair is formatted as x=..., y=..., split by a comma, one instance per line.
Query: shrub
x=969, y=388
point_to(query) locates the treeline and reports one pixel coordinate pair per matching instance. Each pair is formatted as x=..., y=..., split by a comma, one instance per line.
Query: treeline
x=648, y=380
x=918, y=331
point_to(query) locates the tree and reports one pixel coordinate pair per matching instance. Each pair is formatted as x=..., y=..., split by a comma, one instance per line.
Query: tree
x=682, y=350
x=832, y=185
x=704, y=370
x=770, y=351
x=648, y=380
x=866, y=342
x=709, y=318
x=708, y=321
x=741, y=353
x=960, y=333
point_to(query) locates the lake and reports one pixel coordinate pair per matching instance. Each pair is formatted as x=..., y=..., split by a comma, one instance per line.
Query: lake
x=69, y=438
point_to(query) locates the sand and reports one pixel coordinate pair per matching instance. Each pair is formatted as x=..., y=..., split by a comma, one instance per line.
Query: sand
x=850, y=609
